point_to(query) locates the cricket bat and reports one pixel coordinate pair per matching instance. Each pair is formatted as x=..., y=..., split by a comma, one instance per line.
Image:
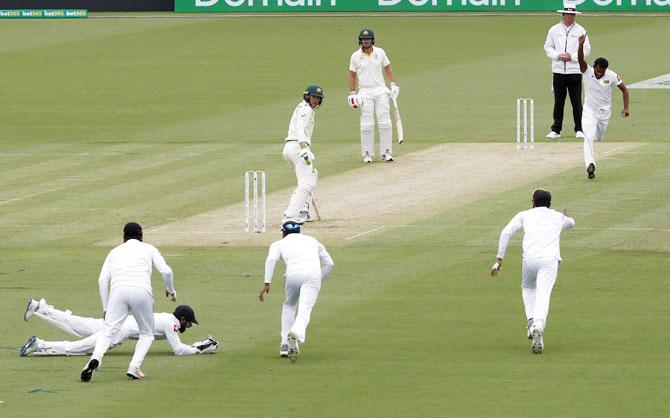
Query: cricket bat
x=317, y=209
x=398, y=122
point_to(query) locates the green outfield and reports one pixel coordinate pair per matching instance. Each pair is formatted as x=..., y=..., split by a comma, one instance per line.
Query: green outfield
x=156, y=120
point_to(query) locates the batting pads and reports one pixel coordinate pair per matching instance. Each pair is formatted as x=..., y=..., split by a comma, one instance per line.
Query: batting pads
x=375, y=103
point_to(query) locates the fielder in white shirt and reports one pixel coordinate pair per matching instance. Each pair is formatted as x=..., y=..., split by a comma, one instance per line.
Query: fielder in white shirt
x=561, y=48
x=298, y=154
x=598, y=82
x=125, y=286
x=167, y=326
x=307, y=266
x=542, y=229
x=367, y=66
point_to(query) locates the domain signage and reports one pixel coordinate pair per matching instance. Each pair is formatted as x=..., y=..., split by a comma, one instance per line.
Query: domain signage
x=287, y=6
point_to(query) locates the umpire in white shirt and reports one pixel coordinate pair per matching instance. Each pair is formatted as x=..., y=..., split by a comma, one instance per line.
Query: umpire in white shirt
x=561, y=47
x=542, y=229
x=125, y=286
x=307, y=265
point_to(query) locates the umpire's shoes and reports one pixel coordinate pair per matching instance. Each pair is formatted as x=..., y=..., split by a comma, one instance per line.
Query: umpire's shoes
x=87, y=372
x=293, y=347
x=31, y=307
x=553, y=135
x=28, y=347
x=387, y=158
x=283, y=350
x=591, y=170
x=538, y=342
x=579, y=134
x=135, y=373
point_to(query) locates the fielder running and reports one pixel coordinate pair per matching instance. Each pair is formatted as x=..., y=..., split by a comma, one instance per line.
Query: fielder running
x=307, y=266
x=542, y=229
x=125, y=285
x=166, y=326
x=598, y=82
x=367, y=66
x=298, y=154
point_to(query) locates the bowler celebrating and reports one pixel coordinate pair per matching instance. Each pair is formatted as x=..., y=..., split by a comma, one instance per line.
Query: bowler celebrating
x=598, y=81
x=542, y=229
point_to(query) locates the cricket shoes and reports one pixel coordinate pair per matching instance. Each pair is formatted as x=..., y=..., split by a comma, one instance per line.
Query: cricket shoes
x=135, y=373
x=387, y=158
x=553, y=135
x=306, y=216
x=87, y=371
x=31, y=308
x=579, y=134
x=591, y=171
x=283, y=350
x=293, y=347
x=29, y=346
x=530, y=325
x=538, y=342
x=367, y=159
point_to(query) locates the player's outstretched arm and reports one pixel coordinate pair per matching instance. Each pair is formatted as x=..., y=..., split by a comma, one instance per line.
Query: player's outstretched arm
x=580, y=54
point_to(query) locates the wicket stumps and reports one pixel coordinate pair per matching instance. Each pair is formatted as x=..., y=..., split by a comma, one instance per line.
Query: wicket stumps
x=258, y=218
x=525, y=102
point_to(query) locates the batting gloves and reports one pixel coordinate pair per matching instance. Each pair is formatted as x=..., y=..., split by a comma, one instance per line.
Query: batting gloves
x=353, y=100
x=395, y=90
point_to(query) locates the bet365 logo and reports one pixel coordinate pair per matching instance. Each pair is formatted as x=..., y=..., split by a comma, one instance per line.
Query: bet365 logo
x=265, y=3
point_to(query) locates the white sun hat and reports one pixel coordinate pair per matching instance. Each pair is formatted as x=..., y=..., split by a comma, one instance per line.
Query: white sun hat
x=569, y=7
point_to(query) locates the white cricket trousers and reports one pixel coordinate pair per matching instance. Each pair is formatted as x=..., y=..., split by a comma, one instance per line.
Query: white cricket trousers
x=89, y=329
x=594, y=125
x=538, y=276
x=123, y=300
x=302, y=290
x=375, y=102
x=307, y=177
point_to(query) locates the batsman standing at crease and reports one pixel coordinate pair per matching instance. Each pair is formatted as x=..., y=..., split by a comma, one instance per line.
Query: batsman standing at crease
x=367, y=66
x=298, y=154
x=542, y=229
x=561, y=48
x=125, y=286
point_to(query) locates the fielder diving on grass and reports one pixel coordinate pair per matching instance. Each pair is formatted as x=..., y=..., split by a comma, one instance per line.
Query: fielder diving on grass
x=307, y=266
x=542, y=229
x=167, y=326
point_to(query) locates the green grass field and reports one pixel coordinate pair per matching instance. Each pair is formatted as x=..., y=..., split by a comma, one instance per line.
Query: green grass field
x=109, y=120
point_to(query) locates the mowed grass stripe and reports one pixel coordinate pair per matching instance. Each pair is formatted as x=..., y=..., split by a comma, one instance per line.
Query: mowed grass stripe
x=56, y=171
x=160, y=193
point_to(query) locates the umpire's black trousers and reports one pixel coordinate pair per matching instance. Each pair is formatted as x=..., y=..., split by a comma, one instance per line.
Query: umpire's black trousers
x=564, y=84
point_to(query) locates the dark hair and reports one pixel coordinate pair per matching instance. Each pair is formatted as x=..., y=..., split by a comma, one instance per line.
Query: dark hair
x=601, y=62
x=541, y=198
x=132, y=230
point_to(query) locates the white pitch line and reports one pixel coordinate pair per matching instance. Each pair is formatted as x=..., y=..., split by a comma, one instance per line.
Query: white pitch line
x=619, y=148
x=365, y=233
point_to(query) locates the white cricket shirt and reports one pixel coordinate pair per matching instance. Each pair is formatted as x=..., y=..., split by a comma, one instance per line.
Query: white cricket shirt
x=166, y=326
x=562, y=39
x=368, y=68
x=129, y=265
x=302, y=124
x=598, y=92
x=301, y=253
x=542, y=229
